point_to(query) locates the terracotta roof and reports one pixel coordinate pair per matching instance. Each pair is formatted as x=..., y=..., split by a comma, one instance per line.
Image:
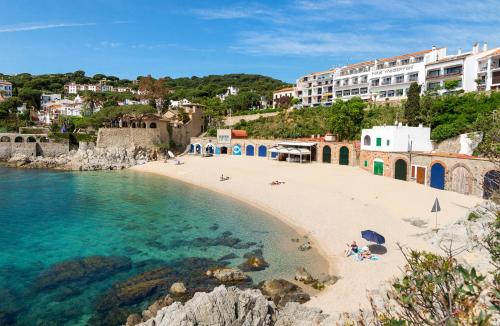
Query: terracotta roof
x=4, y=82
x=492, y=52
x=286, y=89
x=405, y=56
x=239, y=133
x=449, y=58
x=357, y=65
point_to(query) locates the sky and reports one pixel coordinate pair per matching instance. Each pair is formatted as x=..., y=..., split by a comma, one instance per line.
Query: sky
x=281, y=39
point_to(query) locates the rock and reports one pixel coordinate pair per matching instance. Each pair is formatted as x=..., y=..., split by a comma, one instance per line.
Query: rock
x=227, y=275
x=82, y=271
x=133, y=320
x=281, y=292
x=228, y=257
x=302, y=275
x=255, y=261
x=157, y=306
x=223, y=306
x=296, y=314
x=305, y=246
x=178, y=288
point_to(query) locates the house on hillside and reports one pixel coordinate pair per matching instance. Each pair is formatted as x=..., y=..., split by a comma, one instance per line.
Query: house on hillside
x=231, y=90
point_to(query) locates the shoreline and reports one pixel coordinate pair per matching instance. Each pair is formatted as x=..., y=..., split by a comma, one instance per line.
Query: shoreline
x=330, y=215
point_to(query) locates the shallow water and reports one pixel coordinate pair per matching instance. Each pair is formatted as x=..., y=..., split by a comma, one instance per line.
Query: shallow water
x=49, y=217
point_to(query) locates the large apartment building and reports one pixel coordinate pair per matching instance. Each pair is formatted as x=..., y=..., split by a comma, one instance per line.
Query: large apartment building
x=389, y=79
x=73, y=88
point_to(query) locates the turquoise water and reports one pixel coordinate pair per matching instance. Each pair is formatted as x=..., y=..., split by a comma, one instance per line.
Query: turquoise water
x=143, y=222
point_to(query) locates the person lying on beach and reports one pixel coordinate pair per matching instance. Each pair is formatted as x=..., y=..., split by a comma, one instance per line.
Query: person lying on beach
x=277, y=183
x=366, y=254
x=223, y=178
x=351, y=249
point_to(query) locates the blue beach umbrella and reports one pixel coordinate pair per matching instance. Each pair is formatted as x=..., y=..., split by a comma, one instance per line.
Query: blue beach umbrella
x=373, y=236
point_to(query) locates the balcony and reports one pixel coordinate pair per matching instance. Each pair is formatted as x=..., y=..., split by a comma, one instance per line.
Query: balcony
x=386, y=82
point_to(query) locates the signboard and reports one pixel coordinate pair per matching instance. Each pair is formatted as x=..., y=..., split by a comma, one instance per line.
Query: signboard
x=223, y=136
x=392, y=70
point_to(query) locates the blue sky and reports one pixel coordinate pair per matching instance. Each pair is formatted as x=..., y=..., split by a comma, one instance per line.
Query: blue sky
x=282, y=39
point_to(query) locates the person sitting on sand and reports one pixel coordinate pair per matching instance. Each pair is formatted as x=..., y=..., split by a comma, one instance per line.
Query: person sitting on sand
x=366, y=254
x=351, y=249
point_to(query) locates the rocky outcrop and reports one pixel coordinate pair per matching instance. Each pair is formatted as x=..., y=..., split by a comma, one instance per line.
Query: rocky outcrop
x=178, y=288
x=302, y=275
x=282, y=292
x=89, y=159
x=228, y=275
x=234, y=307
x=254, y=261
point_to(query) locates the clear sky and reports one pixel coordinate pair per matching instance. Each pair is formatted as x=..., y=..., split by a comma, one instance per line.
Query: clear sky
x=282, y=39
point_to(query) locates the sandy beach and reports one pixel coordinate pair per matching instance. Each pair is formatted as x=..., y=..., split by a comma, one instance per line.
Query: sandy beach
x=332, y=204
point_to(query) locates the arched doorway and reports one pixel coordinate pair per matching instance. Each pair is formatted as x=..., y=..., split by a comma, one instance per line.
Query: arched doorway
x=19, y=139
x=5, y=139
x=250, y=150
x=327, y=154
x=223, y=150
x=152, y=125
x=210, y=148
x=198, y=148
x=262, y=151
x=367, y=141
x=491, y=184
x=31, y=139
x=461, y=180
x=344, y=155
x=400, y=170
x=133, y=124
x=378, y=167
x=237, y=150
x=191, y=148
x=437, y=176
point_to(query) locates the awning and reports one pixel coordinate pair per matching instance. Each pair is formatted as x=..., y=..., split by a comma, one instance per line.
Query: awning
x=298, y=143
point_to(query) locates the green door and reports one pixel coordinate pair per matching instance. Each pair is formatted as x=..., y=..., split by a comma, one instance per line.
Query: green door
x=400, y=168
x=327, y=154
x=344, y=156
x=378, y=168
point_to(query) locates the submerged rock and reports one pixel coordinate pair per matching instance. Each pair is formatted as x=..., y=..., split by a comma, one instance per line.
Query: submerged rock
x=282, y=291
x=228, y=275
x=255, y=261
x=156, y=306
x=82, y=270
x=133, y=320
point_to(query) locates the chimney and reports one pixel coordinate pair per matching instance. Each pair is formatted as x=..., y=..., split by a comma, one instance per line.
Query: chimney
x=485, y=46
x=459, y=51
x=433, y=48
x=475, y=48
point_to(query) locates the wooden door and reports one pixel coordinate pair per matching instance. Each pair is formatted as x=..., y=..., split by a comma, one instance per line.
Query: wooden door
x=421, y=175
x=378, y=168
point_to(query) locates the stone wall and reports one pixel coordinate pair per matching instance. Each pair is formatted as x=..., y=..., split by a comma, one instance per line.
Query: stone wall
x=353, y=152
x=30, y=145
x=230, y=121
x=463, y=174
x=126, y=137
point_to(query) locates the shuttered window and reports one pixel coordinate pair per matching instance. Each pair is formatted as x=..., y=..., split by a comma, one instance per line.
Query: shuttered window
x=379, y=141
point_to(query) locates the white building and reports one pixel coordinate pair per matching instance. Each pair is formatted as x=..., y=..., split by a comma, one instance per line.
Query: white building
x=179, y=103
x=397, y=138
x=488, y=70
x=47, y=98
x=57, y=107
x=5, y=89
x=231, y=90
x=288, y=92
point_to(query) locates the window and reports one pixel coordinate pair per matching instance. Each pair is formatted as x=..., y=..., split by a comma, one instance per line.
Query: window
x=338, y=93
x=433, y=86
x=405, y=61
x=379, y=142
x=388, y=142
x=364, y=79
x=419, y=59
x=367, y=140
x=363, y=90
x=453, y=70
x=355, y=91
x=366, y=163
x=337, y=83
x=413, y=77
x=346, y=82
x=347, y=92
x=382, y=94
x=375, y=82
x=392, y=64
x=433, y=73
x=386, y=80
x=390, y=93
x=380, y=66
x=399, y=92
x=355, y=80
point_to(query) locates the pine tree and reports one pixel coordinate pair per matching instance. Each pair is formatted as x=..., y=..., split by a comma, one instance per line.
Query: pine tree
x=412, y=105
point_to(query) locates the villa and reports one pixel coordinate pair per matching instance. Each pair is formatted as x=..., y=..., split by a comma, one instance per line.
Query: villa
x=5, y=89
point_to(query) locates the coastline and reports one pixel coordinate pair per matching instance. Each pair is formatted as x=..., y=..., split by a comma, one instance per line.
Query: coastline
x=330, y=213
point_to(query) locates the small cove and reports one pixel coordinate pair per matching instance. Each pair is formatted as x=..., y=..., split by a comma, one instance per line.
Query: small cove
x=145, y=221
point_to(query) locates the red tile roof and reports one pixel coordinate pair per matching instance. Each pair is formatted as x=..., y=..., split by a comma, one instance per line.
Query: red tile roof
x=239, y=134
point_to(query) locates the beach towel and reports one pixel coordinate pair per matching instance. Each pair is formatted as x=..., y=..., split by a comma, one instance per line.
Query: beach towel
x=357, y=256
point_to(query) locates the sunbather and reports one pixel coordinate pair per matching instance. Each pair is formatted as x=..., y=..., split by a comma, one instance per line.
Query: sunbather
x=351, y=249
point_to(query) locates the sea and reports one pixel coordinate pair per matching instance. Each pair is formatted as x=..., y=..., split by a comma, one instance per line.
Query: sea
x=89, y=248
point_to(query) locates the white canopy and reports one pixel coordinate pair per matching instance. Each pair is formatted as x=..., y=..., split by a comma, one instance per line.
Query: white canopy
x=298, y=143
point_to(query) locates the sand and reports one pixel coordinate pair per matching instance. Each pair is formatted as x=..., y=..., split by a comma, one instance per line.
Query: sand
x=332, y=204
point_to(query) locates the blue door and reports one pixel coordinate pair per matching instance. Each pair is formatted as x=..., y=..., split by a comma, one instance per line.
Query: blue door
x=191, y=148
x=217, y=151
x=249, y=150
x=437, y=176
x=262, y=151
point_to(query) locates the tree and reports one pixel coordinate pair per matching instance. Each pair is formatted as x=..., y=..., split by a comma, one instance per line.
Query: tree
x=451, y=85
x=153, y=90
x=412, y=105
x=91, y=100
x=283, y=102
x=346, y=118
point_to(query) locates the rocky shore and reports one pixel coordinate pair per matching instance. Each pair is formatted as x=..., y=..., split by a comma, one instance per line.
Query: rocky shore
x=88, y=158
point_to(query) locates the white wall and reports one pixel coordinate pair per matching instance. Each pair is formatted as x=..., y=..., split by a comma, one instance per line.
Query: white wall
x=399, y=138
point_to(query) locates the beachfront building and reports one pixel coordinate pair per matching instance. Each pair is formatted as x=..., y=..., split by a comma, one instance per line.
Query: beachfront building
x=397, y=138
x=353, y=80
x=315, y=89
x=488, y=70
x=282, y=93
x=5, y=89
